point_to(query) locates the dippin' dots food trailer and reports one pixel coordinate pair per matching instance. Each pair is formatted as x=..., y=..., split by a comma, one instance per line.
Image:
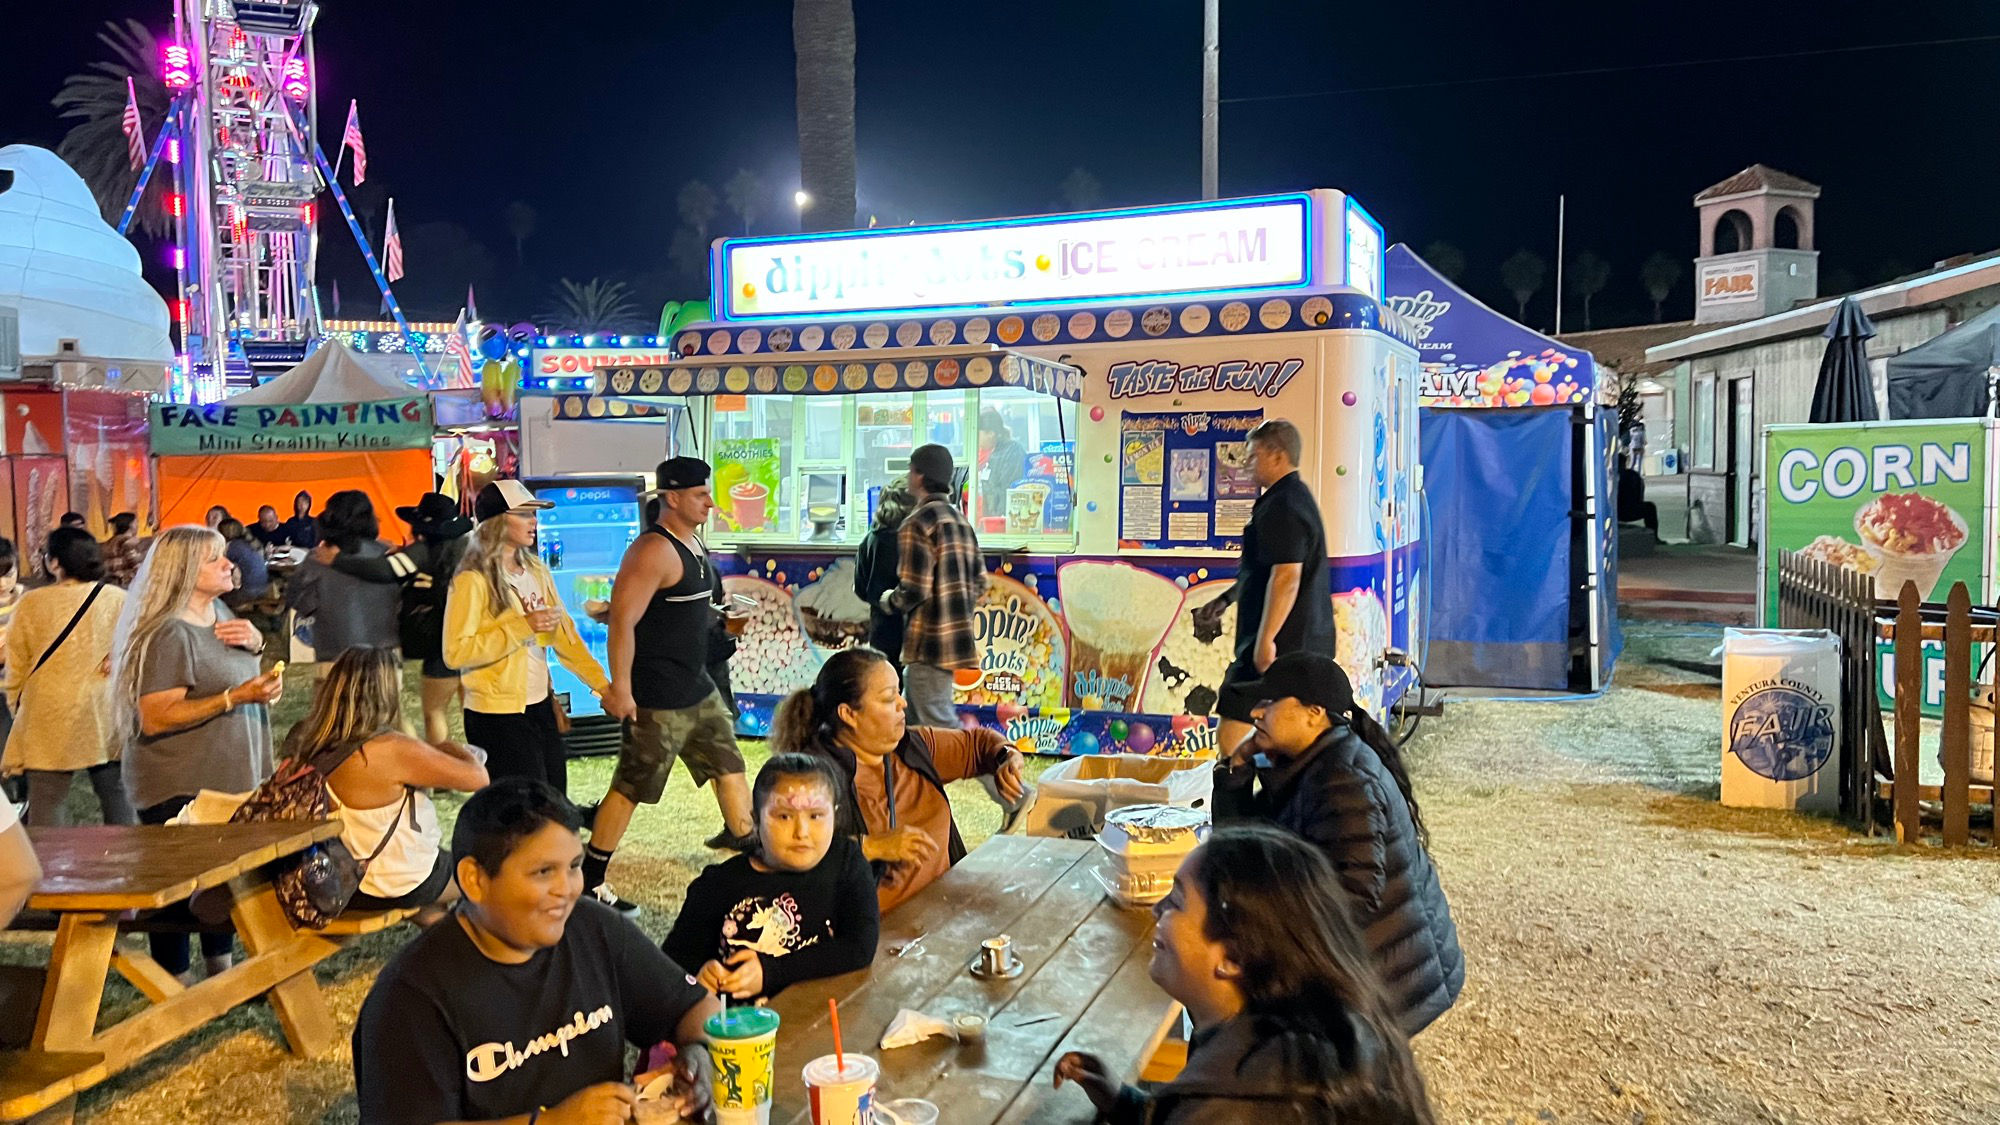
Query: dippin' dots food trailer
x=1126, y=354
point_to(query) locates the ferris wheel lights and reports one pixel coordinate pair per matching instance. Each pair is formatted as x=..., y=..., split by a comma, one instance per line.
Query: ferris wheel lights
x=173, y=150
x=295, y=79
x=177, y=204
x=179, y=70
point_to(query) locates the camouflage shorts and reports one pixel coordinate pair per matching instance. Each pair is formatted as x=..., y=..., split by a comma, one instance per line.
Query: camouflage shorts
x=704, y=735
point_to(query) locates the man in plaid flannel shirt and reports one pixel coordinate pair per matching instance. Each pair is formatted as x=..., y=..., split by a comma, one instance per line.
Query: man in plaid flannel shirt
x=940, y=577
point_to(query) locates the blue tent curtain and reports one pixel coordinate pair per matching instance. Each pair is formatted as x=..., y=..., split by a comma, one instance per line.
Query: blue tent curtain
x=1498, y=487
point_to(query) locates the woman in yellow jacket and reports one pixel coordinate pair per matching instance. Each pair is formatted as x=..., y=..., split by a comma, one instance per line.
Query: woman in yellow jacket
x=501, y=615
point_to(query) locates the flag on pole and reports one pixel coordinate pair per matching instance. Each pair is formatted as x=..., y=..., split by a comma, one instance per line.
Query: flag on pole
x=471, y=305
x=135, y=133
x=351, y=138
x=455, y=347
x=392, y=247
x=336, y=297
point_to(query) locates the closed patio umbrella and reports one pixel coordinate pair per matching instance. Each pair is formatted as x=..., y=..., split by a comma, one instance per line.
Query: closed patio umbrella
x=1845, y=392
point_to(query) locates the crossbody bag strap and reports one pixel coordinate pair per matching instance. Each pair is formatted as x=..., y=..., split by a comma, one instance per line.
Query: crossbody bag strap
x=409, y=807
x=66, y=630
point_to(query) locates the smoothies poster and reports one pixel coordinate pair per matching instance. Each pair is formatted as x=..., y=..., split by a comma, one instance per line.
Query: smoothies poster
x=746, y=483
x=1899, y=501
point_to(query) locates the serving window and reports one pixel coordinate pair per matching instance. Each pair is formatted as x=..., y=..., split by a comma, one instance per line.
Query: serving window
x=810, y=469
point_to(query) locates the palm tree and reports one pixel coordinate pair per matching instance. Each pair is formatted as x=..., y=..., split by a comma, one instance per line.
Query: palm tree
x=1080, y=190
x=823, y=45
x=1589, y=274
x=1447, y=259
x=1522, y=273
x=697, y=204
x=1660, y=274
x=687, y=256
x=596, y=305
x=746, y=195
x=521, y=219
x=95, y=145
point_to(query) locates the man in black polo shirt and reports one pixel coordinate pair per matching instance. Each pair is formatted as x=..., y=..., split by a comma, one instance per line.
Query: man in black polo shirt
x=1283, y=602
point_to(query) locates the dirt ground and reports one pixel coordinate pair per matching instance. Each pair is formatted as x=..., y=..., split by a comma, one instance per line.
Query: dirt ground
x=1635, y=952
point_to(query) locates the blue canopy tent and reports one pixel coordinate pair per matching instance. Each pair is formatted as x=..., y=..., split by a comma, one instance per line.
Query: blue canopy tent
x=1521, y=523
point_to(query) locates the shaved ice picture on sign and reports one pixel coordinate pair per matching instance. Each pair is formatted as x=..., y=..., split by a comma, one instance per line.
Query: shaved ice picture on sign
x=1902, y=502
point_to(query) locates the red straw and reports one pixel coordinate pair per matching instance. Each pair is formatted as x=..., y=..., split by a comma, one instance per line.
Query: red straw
x=833, y=1010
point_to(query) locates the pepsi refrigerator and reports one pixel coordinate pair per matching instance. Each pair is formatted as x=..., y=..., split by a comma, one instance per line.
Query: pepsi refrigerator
x=583, y=539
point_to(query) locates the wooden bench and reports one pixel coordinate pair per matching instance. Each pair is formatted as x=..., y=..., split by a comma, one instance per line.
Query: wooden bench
x=355, y=923
x=34, y=1081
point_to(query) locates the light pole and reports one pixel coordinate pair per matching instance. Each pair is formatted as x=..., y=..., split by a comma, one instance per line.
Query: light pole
x=1211, y=66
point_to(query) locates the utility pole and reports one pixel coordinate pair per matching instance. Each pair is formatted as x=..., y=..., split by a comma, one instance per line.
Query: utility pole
x=1211, y=65
x=1560, y=201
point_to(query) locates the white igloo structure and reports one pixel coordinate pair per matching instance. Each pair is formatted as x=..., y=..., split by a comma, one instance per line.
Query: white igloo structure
x=70, y=275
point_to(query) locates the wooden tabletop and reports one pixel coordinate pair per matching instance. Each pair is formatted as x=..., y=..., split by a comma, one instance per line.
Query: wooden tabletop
x=1084, y=987
x=103, y=868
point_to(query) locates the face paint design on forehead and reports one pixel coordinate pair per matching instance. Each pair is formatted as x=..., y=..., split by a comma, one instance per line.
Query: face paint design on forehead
x=803, y=798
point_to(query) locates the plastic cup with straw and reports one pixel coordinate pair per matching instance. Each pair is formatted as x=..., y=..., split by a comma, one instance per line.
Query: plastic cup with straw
x=841, y=1086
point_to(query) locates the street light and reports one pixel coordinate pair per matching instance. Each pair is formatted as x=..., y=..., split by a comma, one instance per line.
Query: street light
x=801, y=200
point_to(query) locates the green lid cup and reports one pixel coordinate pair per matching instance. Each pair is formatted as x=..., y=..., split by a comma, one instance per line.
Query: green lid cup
x=743, y=1044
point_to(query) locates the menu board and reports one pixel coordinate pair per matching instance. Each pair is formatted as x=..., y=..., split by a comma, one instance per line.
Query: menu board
x=1184, y=479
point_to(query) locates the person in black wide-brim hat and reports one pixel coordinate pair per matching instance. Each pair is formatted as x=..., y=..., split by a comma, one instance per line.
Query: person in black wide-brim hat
x=424, y=567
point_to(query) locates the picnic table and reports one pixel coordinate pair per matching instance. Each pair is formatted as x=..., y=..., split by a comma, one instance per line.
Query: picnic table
x=1083, y=988
x=93, y=877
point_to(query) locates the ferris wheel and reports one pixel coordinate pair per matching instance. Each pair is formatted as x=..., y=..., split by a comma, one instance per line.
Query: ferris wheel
x=246, y=171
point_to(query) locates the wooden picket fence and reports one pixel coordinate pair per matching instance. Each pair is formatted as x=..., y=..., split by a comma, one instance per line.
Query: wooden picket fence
x=1964, y=632
x=1813, y=594
x=1879, y=786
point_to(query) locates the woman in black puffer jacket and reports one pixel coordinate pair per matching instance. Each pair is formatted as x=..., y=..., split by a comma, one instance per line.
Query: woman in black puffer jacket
x=1335, y=778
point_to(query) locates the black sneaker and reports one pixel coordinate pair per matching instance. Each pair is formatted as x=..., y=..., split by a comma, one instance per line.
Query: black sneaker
x=603, y=893
x=726, y=841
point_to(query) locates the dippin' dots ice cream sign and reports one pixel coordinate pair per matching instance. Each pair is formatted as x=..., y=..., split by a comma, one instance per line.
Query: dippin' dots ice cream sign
x=1804, y=474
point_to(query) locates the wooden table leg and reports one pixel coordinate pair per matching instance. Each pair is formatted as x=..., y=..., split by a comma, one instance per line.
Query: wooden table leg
x=61, y=1113
x=78, y=965
x=297, y=1000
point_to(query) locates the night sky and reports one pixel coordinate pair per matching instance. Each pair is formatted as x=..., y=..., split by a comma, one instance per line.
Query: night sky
x=596, y=114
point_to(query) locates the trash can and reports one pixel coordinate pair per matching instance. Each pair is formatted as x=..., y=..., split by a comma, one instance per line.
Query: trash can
x=1072, y=797
x=1781, y=738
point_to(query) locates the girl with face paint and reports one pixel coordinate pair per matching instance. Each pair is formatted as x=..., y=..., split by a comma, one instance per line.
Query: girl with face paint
x=801, y=906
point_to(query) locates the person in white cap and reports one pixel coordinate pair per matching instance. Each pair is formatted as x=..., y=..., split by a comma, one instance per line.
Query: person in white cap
x=500, y=616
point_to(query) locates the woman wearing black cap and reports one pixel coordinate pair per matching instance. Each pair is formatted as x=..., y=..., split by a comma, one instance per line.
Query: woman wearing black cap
x=424, y=569
x=1333, y=776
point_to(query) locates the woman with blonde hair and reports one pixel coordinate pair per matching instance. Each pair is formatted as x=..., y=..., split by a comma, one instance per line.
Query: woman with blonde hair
x=501, y=613
x=58, y=685
x=376, y=771
x=190, y=705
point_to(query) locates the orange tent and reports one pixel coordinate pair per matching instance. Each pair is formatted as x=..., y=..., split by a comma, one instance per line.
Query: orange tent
x=241, y=482
x=191, y=483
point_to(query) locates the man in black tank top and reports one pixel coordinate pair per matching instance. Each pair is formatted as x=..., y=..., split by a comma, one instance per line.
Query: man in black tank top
x=661, y=611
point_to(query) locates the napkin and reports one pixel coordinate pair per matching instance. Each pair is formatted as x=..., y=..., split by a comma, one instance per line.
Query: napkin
x=914, y=1027
x=652, y=1107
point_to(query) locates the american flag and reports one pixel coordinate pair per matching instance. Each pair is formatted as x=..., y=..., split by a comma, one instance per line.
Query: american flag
x=392, y=247
x=352, y=139
x=454, y=346
x=135, y=133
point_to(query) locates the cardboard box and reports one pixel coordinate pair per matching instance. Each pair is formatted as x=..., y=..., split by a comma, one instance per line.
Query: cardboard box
x=1072, y=797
